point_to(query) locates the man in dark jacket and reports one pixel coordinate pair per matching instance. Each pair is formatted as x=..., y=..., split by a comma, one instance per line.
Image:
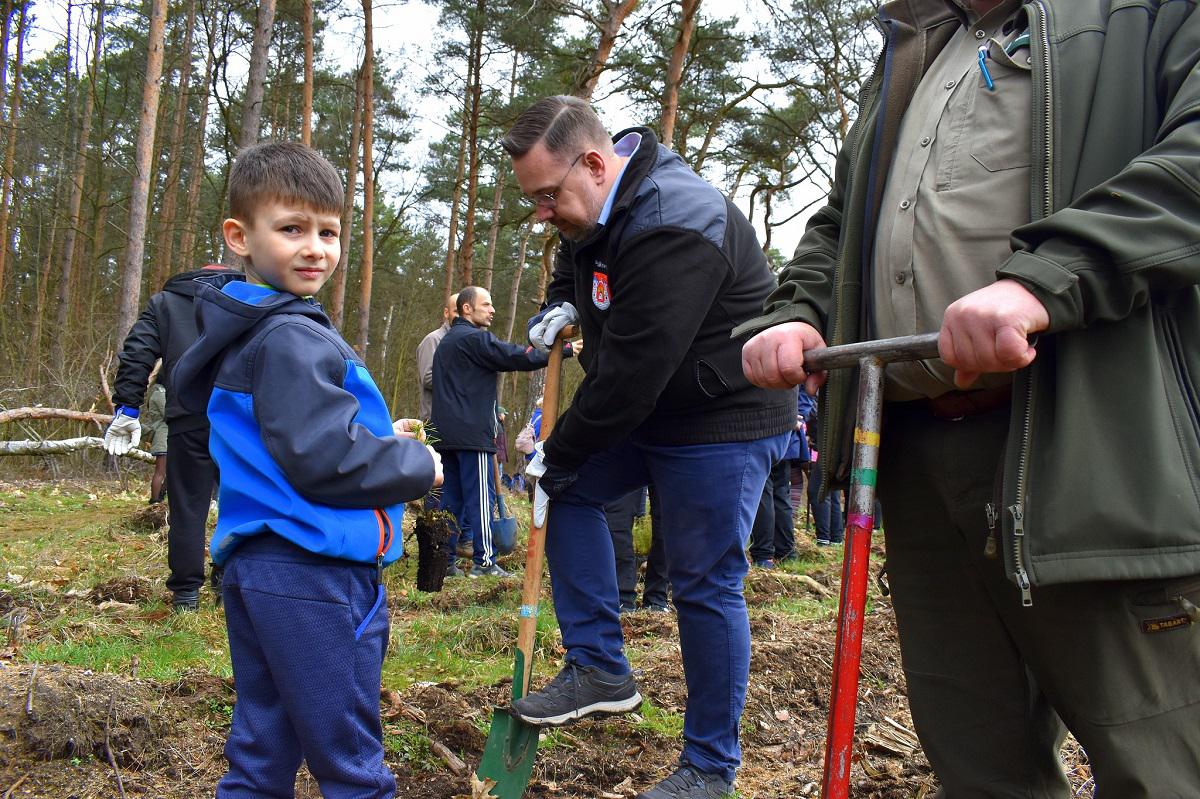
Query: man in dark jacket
x=164, y=330
x=1025, y=178
x=464, y=419
x=657, y=266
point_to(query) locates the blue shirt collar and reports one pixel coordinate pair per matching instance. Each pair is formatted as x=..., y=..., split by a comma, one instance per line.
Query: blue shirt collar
x=625, y=146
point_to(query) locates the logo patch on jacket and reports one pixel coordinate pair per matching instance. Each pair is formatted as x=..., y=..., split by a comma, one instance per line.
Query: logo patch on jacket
x=600, y=296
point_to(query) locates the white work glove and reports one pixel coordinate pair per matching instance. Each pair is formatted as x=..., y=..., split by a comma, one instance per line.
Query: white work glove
x=533, y=470
x=124, y=433
x=543, y=332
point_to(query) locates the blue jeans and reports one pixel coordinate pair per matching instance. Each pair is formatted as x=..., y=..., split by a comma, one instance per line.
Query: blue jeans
x=307, y=635
x=709, y=495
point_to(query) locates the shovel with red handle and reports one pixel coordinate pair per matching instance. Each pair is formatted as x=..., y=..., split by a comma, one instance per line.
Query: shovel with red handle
x=870, y=358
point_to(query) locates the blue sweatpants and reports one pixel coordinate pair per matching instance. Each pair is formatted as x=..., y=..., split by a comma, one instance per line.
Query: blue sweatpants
x=307, y=635
x=468, y=492
x=709, y=495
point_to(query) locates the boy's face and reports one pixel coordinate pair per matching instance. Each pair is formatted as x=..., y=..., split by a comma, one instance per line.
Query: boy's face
x=289, y=246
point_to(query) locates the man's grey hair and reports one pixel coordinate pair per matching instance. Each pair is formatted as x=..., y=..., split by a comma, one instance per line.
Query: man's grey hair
x=565, y=124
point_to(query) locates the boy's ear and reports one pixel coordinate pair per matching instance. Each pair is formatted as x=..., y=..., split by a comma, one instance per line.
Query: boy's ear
x=235, y=236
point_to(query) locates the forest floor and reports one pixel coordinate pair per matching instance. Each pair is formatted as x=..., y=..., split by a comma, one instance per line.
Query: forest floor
x=104, y=692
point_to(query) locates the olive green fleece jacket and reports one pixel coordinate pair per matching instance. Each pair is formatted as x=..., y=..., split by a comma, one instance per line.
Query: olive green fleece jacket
x=1101, y=474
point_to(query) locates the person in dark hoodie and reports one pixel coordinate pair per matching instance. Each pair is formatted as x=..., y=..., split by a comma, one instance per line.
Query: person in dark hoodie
x=313, y=485
x=164, y=330
x=657, y=267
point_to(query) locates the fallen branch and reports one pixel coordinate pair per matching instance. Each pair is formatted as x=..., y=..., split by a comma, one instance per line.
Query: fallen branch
x=54, y=413
x=453, y=762
x=15, y=785
x=32, y=685
x=112, y=761
x=65, y=445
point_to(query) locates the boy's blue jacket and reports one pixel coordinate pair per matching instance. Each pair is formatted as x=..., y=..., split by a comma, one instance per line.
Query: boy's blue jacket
x=300, y=432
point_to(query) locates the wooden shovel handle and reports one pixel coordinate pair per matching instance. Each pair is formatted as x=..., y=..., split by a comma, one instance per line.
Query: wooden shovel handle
x=532, y=588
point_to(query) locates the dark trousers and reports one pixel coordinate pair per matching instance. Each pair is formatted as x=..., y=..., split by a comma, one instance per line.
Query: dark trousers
x=307, y=636
x=191, y=474
x=826, y=513
x=657, y=585
x=772, y=536
x=619, y=514
x=988, y=679
x=468, y=493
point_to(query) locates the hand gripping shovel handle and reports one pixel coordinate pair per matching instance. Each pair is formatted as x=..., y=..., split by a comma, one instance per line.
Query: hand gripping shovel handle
x=870, y=358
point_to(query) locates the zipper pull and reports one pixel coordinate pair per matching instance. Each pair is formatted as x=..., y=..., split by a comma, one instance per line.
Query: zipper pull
x=1019, y=572
x=987, y=76
x=379, y=568
x=992, y=546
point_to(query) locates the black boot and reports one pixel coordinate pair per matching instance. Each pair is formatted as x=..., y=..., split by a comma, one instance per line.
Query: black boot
x=215, y=577
x=186, y=601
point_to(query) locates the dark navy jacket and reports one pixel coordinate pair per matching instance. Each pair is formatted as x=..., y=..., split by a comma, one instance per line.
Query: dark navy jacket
x=164, y=330
x=301, y=434
x=659, y=289
x=464, y=385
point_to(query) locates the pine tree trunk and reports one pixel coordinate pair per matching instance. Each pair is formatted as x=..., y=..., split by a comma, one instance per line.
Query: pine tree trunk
x=11, y=149
x=498, y=195
x=466, y=252
x=187, y=239
x=66, y=281
x=164, y=257
x=456, y=192
x=514, y=294
x=306, y=113
x=255, y=80
x=139, y=195
x=337, y=299
x=610, y=27
x=368, y=256
x=5, y=32
x=670, y=104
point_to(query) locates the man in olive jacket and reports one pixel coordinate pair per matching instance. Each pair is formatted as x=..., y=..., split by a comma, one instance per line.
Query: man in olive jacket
x=1026, y=178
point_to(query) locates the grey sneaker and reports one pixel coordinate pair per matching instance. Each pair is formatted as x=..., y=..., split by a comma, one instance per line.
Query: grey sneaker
x=488, y=571
x=578, y=692
x=453, y=571
x=688, y=782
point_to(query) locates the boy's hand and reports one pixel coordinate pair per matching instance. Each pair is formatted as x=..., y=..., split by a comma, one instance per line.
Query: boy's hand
x=438, y=477
x=409, y=428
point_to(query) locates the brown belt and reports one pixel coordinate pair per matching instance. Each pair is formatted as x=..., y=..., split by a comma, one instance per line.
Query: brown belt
x=961, y=404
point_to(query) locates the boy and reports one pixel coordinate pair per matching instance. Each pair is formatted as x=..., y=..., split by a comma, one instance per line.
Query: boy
x=313, y=482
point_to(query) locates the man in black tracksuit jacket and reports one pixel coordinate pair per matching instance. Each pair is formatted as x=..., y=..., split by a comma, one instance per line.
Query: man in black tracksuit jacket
x=164, y=330
x=463, y=418
x=658, y=267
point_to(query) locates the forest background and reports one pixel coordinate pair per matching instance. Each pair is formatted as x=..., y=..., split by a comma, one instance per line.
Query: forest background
x=118, y=123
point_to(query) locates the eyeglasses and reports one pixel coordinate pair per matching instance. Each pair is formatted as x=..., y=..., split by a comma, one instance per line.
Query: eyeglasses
x=549, y=199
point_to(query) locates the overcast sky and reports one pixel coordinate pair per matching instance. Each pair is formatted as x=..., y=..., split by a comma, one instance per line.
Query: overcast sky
x=406, y=35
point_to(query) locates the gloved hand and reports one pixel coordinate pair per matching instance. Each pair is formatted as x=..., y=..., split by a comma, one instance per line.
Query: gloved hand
x=124, y=433
x=551, y=481
x=544, y=327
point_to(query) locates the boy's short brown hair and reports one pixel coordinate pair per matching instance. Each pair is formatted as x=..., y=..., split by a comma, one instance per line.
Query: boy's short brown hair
x=286, y=171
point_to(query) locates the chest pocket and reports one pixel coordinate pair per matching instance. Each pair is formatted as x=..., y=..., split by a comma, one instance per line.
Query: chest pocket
x=1000, y=114
x=986, y=130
